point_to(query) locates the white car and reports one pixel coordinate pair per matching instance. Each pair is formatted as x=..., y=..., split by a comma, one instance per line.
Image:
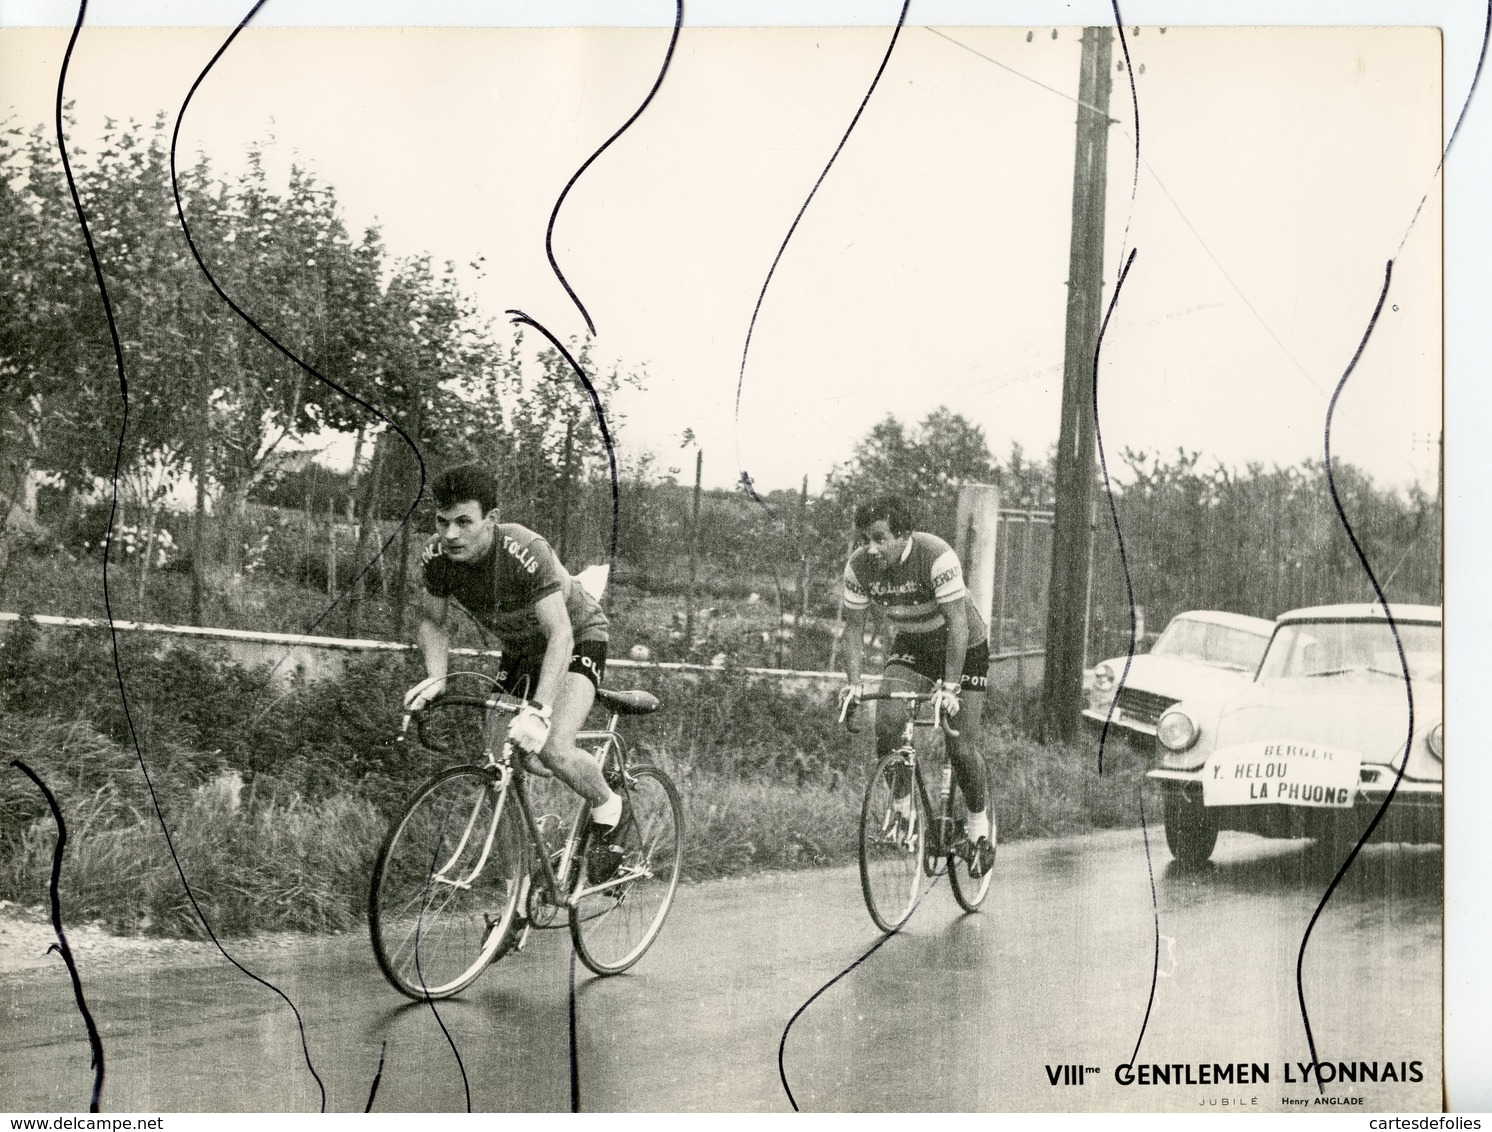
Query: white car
x=1202, y=652
x=1313, y=745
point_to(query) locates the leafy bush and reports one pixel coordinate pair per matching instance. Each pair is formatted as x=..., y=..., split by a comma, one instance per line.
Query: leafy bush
x=257, y=856
x=276, y=795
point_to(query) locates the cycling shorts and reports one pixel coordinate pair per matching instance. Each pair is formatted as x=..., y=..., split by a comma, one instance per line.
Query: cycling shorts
x=520, y=674
x=925, y=654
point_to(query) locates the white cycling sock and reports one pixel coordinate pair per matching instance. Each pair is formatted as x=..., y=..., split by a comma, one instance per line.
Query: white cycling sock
x=608, y=812
x=976, y=825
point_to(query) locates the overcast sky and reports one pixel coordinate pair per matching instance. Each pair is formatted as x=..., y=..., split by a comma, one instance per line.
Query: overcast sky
x=1280, y=170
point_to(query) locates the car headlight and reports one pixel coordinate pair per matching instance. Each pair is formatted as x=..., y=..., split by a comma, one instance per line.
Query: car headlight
x=1103, y=678
x=1176, y=731
x=1435, y=740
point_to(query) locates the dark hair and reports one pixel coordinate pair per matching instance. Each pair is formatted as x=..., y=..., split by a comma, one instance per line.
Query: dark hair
x=892, y=508
x=456, y=485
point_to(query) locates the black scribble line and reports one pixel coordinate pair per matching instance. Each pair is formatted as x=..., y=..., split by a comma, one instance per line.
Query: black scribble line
x=54, y=890
x=103, y=289
x=517, y=316
x=1108, y=489
x=751, y=327
x=1362, y=559
x=1476, y=79
x=1019, y=74
x=1155, y=913
x=1161, y=185
x=377, y=1076
x=285, y=351
x=876, y=946
x=574, y=1045
x=1134, y=94
x=419, y=926
x=554, y=215
x=1108, y=486
x=1108, y=492
x=1129, y=655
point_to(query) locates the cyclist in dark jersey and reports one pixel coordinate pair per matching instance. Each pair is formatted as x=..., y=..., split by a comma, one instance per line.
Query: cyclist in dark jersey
x=553, y=637
x=914, y=582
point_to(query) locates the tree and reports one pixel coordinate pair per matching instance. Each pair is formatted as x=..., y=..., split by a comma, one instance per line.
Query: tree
x=927, y=465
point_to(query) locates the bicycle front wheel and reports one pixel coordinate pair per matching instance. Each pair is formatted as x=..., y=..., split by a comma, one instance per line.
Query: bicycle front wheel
x=614, y=926
x=446, y=884
x=893, y=833
x=968, y=889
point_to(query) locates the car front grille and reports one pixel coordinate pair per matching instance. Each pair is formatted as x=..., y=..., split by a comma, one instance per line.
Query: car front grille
x=1144, y=706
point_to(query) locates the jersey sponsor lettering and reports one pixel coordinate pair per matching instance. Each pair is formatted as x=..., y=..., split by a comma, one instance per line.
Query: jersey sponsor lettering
x=914, y=591
x=947, y=577
x=502, y=589
x=524, y=554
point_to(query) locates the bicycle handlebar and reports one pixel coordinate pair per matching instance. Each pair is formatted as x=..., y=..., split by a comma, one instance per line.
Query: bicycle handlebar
x=499, y=702
x=918, y=698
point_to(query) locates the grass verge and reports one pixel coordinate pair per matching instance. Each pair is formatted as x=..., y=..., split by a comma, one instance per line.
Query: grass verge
x=261, y=856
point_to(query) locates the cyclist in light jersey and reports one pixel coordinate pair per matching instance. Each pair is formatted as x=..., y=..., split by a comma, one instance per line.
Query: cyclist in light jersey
x=553, y=636
x=915, y=582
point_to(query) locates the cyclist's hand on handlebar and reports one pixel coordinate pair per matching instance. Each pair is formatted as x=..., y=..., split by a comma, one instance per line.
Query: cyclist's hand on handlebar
x=945, y=698
x=849, y=700
x=530, y=728
x=422, y=693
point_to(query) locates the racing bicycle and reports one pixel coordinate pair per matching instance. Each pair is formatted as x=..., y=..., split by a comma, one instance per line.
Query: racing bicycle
x=901, y=843
x=485, y=851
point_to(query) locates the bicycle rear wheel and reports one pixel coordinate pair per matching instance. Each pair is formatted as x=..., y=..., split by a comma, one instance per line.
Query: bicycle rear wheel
x=446, y=884
x=612, y=928
x=968, y=889
x=893, y=832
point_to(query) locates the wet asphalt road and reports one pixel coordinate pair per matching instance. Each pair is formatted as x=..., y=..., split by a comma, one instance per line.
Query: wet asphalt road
x=958, y=1012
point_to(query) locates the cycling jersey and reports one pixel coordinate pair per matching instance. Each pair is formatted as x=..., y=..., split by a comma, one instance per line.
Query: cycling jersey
x=913, y=590
x=501, y=588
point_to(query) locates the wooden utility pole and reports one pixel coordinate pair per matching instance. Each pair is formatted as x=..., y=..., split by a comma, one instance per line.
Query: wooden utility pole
x=1062, y=681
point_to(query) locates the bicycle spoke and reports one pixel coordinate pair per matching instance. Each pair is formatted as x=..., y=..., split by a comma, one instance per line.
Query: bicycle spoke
x=892, y=838
x=446, y=885
x=614, y=926
x=968, y=889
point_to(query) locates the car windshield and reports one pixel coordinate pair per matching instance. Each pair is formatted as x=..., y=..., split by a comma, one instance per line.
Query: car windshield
x=1352, y=650
x=1209, y=643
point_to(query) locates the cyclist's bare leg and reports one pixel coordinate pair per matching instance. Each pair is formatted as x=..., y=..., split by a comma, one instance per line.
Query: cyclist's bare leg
x=963, y=749
x=891, y=715
x=573, y=766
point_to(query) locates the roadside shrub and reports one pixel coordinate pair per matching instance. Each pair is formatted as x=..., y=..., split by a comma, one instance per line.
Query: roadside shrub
x=276, y=795
x=285, y=865
x=730, y=723
x=736, y=826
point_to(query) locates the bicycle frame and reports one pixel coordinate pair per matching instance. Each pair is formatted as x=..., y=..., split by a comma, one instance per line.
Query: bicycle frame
x=510, y=773
x=555, y=882
x=908, y=751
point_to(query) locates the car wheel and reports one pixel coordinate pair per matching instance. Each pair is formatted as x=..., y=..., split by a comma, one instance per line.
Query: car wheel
x=1191, y=829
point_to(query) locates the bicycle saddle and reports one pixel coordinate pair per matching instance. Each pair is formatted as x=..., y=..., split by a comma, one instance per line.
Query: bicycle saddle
x=636, y=702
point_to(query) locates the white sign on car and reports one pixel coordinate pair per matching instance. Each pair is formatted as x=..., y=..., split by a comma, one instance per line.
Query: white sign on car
x=1298, y=774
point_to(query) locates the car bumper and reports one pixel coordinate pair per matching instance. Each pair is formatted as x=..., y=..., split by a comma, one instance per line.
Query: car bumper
x=1415, y=814
x=1122, y=720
